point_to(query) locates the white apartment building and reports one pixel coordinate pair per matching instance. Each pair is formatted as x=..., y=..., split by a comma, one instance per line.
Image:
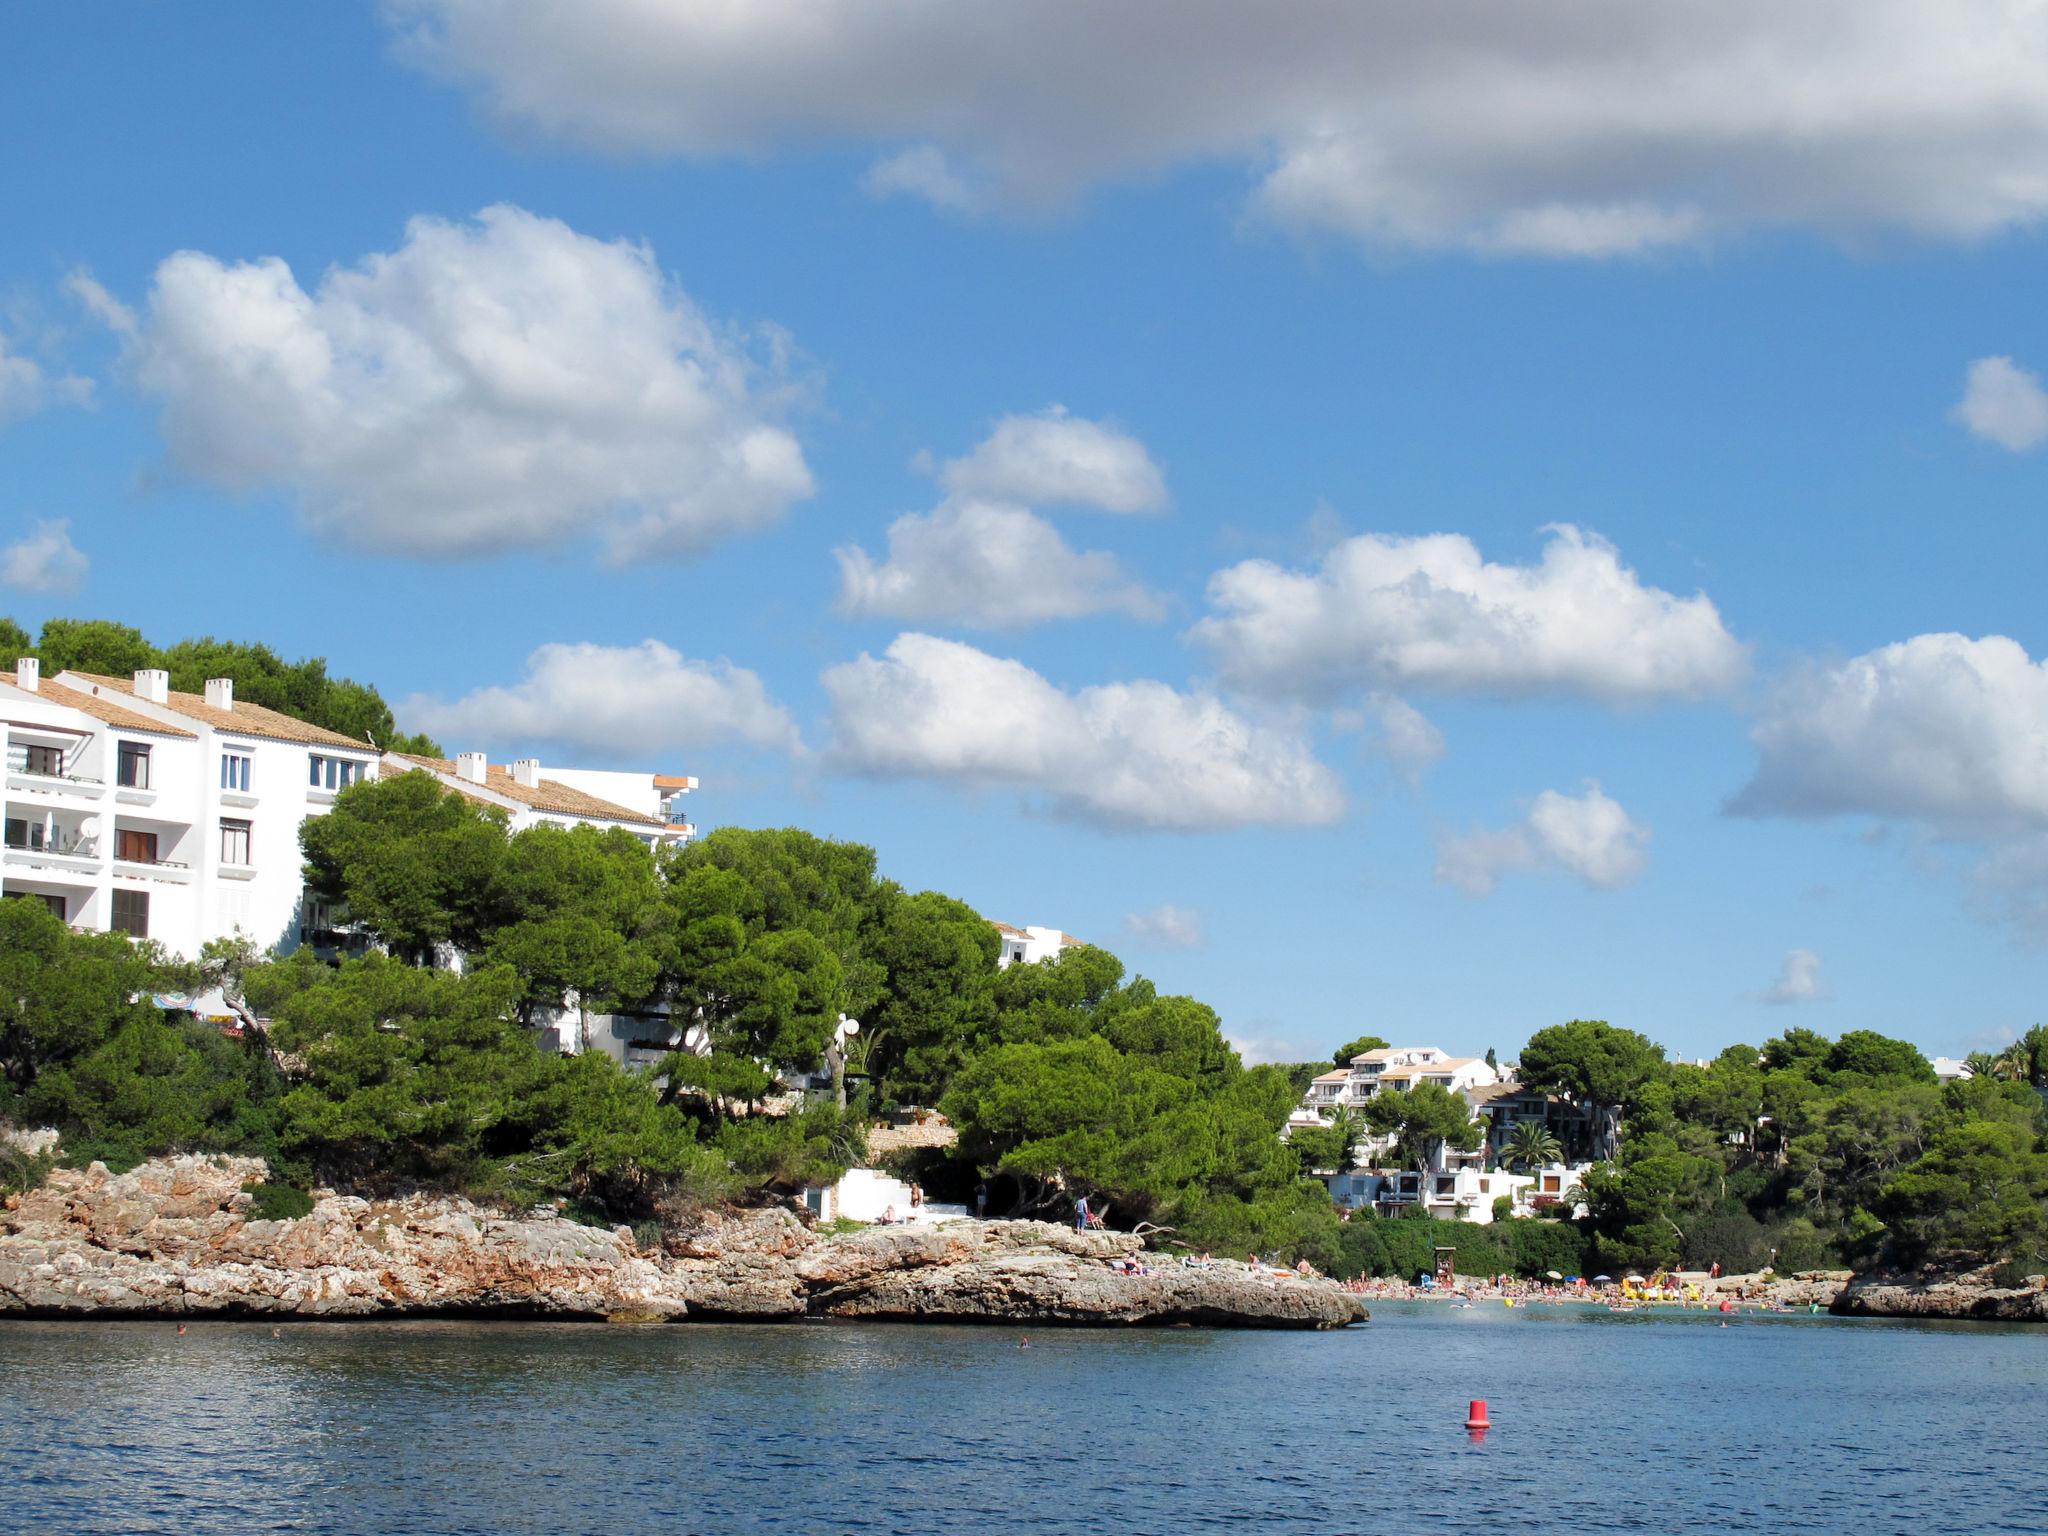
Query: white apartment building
x=175, y=816
x=1392, y=1069
x=1028, y=946
x=1456, y=1185
x=650, y=806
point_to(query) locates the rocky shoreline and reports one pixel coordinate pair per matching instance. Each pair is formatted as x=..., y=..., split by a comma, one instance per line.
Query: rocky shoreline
x=174, y=1238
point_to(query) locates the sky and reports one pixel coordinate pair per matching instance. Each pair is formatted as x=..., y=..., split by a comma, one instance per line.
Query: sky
x=1391, y=520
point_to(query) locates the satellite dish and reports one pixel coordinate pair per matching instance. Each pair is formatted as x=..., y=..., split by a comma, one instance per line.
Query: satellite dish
x=90, y=827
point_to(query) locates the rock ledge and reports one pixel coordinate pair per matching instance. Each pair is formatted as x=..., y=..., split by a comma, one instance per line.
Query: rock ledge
x=173, y=1237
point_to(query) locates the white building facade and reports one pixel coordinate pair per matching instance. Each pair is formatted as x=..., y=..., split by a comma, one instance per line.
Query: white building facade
x=1028, y=946
x=174, y=816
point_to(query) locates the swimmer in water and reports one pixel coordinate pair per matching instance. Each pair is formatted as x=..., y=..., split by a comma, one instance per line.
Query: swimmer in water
x=181, y=1330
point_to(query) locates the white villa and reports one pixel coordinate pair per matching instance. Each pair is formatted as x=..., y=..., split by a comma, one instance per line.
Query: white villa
x=1456, y=1185
x=1028, y=946
x=175, y=816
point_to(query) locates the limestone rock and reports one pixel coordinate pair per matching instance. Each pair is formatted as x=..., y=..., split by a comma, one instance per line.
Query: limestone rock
x=173, y=1236
x=1966, y=1294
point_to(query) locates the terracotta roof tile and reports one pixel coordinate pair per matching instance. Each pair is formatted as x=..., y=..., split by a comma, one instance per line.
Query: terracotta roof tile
x=104, y=710
x=548, y=795
x=245, y=719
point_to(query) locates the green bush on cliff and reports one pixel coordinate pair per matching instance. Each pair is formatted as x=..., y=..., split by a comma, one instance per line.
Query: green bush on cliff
x=277, y=1202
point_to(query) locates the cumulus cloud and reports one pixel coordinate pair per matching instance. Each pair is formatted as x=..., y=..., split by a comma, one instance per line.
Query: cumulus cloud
x=500, y=384
x=1052, y=458
x=25, y=387
x=983, y=558
x=2004, y=403
x=1136, y=755
x=1167, y=927
x=1608, y=128
x=612, y=701
x=921, y=171
x=1428, y=612
x=1799, y=981
x=45, y=560
x=1940, y=728
x=1587, y=836
x=988, y=566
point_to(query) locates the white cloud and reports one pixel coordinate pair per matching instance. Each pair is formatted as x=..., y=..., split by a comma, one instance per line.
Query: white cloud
x=920, y=171
x=1167, y=927
x=613, y=701
x=44, y=561
x=1611, y=127
x=1062, y=460
x=501, y=384
x=983, y=558
x=1138, y=755
x=1799, y=980
x=1940, y=728
x=26, y=388
x=989, y=566
x=1406, y=737
x=1588, y=836
x=1380, y=611
x=2005, y=403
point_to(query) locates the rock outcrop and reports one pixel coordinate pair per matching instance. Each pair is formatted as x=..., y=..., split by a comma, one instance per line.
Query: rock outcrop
x=175, y=1237
x=1970, y=1296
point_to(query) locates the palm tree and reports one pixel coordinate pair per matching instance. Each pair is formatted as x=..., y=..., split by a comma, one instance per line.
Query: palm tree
x=1531, y=1145
x=1351, y=1126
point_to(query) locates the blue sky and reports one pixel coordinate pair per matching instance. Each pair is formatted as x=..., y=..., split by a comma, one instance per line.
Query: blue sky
x=1736, y=355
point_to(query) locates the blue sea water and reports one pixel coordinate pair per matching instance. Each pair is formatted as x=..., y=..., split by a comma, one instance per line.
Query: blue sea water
x=1603, y=1423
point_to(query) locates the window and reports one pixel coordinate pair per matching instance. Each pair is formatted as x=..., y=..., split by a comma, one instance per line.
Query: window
x=48, y=761
x=234, y=842
x=135, y=847
x=22, y=833
x=132, y=766
x=54, y=903
x=234, y=771
x=332, y=772
x=1550, y=1184
x=131, y=913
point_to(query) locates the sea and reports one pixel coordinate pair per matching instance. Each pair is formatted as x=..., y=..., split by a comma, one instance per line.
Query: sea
x=1601, y=1422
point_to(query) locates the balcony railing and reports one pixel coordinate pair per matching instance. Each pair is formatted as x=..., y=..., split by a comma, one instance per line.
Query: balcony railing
x=73, y=847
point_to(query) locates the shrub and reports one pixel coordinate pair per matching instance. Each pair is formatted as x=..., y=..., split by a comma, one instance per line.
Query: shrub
x=21, y=1171
x=1503, y=1207
x=277, y=1202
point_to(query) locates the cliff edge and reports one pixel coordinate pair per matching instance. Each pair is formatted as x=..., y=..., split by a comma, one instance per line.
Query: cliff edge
x=173, y=1237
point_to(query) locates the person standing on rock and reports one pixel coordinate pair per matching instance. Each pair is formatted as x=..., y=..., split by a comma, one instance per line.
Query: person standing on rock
x=1082, y=1217
x=981, y=1201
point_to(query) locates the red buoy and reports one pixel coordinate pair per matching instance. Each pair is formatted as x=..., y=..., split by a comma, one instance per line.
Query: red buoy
x=1477, y=1419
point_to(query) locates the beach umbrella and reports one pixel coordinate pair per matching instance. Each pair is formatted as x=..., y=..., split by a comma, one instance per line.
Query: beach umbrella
x=1603, y=1279
x=1553, y=1274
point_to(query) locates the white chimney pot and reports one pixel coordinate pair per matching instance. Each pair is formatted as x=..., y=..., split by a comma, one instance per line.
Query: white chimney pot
x=526, y=771
x=154, y=684
x=220, y=692
x=470, y=765
x=28, y=674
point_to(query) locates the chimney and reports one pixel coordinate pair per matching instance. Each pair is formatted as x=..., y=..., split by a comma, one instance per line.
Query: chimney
x=526, y=771
x=471, y=766
x=220, y=693
x=153, y=684
x=28, y=674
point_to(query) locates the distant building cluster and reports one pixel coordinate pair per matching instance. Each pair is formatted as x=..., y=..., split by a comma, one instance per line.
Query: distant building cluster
x=1455, y=1185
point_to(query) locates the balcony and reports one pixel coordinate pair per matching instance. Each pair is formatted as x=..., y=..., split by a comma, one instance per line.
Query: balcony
x=55, y=862
x=58, y=788
x=167, y=871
